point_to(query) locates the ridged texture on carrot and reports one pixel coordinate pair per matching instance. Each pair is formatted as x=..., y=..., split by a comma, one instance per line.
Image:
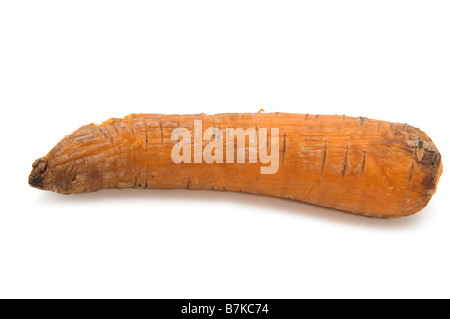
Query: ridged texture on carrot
x=364, y=166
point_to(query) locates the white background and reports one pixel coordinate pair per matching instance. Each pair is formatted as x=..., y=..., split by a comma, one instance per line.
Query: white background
x=64, y=64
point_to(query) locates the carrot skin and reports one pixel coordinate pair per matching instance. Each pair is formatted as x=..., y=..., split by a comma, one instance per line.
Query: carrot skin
x=368, y=167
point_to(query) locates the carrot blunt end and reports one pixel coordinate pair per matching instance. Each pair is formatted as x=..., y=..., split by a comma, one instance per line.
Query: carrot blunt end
x=36, y=178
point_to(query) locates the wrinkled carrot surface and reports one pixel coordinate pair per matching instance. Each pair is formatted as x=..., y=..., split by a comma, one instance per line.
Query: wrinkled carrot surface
x=369, y=167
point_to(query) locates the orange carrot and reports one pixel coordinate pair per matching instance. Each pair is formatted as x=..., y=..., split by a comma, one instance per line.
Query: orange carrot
x=364, y=166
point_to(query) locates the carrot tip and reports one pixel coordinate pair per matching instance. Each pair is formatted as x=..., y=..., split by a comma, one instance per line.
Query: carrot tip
x=36, y=178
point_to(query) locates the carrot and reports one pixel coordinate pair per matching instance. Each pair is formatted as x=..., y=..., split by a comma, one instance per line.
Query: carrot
x=369, y=167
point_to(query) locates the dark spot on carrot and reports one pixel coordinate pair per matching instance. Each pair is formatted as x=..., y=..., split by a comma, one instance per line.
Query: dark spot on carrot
x=95, y=180
x=420, y=143
x=429, y=181
x=64, y=182
x=361, y=120
x=36, y=181
x=432, y=158
x=95, y=175
x=36, y=178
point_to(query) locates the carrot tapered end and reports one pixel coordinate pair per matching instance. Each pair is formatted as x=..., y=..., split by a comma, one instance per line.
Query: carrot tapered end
x=36, y=178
